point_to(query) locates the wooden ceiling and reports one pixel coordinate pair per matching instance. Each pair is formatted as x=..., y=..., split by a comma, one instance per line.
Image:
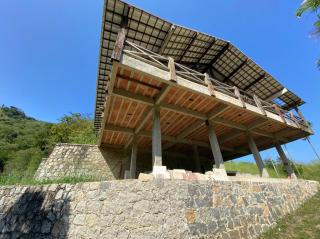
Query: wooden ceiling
x=130, y=108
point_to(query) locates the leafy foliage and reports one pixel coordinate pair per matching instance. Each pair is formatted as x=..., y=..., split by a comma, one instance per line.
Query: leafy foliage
x=314, y=7
x=24, y=141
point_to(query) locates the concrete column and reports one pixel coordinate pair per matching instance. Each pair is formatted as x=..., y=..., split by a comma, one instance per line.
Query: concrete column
x=133, y=162
x=257, y=157
x=215, y=147
x=285, y=161
x=196, y=158
x=158, y=170
x=156, y=139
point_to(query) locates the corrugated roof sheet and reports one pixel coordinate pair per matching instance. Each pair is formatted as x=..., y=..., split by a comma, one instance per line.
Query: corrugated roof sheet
x=196, y=50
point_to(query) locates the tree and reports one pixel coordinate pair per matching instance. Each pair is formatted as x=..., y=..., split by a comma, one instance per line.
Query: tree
x=74, y=128
x=314, y=7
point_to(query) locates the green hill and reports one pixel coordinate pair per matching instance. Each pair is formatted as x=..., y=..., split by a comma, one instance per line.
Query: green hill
x=24, y=141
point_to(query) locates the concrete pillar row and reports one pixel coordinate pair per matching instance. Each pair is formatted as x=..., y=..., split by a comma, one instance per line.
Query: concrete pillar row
x=257, y=157
x=285, y=161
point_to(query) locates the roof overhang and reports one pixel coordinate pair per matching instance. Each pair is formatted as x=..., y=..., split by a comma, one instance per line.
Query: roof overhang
x=199, y=51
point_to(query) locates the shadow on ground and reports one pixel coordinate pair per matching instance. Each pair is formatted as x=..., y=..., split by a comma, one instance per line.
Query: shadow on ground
x=35, y=215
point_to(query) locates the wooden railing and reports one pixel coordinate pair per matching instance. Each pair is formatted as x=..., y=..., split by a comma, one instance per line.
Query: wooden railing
x=168, y=64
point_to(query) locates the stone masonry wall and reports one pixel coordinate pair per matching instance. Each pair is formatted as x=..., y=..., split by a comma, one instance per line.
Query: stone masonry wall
x=152, y=209
x=71, y=160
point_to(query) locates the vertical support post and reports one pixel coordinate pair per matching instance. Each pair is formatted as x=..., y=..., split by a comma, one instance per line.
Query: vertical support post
x=121, y=37
x=215, y=147
x=294, y=119
x=285, y=161
x=277, y=109
x=196, y=158
x=172, y=70
x=209, y=84
x=258, y=103
x=300, y=114
x=156, y=138
x=257, y=157
x=133, y=162
x=239, y=96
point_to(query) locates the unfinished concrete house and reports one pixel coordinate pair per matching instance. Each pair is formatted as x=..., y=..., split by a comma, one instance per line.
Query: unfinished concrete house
x=169, y=97
x=184, y=99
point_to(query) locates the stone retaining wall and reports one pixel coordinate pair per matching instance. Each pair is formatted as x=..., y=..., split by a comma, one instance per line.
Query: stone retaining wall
x=73, y=160
x=152, y=209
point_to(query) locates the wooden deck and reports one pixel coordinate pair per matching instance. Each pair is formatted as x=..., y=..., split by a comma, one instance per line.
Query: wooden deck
x=188, y=101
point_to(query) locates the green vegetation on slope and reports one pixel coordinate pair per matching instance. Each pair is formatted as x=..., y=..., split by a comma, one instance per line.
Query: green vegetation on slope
x=24, y=141
x=275, y=170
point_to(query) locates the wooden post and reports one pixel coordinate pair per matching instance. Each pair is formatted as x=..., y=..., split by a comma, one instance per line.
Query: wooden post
x=300, y=114
x=209, y=84
x=277, y=109
x=215, y=148
x=172, y=70
x=258, y=103
x=119, y=44
x=196, y=158
x=285, y=161
x=133, y=162
x=156, y=138
x=257, y=157
x=294, y=120
x=239, y=96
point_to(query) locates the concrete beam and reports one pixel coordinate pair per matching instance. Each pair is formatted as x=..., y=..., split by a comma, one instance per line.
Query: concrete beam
x=134, y=97
x=184, y=111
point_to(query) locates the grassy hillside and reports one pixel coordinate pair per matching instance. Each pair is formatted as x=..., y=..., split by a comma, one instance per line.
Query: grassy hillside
x=309, y=171
x=24, y=141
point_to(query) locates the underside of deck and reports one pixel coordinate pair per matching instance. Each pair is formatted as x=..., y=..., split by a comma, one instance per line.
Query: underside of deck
x=136, y=88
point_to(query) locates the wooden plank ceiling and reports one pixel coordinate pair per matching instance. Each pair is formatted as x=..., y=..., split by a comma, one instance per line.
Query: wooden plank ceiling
x=125, y=115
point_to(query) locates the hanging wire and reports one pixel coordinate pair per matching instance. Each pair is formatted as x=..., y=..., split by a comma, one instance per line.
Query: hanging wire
x=313, y=148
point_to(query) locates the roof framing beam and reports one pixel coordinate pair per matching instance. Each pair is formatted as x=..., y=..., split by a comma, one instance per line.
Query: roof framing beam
x=254, y=82
x=277, y=94
x=235, y=70
x=189, y=45
x=167, y=39
x=206, y=51
x=217, y=57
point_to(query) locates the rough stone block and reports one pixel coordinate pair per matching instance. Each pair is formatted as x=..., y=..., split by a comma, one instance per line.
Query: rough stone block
x=145, y=177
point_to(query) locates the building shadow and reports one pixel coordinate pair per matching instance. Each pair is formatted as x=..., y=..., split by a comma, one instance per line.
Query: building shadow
x=35, y=215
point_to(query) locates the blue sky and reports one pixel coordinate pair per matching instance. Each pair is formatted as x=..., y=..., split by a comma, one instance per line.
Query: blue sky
x=49, y=51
